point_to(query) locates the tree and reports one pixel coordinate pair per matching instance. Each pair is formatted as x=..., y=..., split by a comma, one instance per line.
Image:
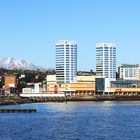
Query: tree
x=21, y=85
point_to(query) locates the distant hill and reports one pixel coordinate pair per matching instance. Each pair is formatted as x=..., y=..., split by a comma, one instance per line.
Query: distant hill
x=11, y=63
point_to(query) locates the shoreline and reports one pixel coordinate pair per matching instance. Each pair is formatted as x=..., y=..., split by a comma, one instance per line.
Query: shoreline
x=21, y=100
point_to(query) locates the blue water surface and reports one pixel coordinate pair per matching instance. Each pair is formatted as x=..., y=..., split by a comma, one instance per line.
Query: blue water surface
x=73, y=121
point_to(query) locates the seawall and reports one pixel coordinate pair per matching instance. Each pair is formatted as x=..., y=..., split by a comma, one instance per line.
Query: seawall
x=21, y=100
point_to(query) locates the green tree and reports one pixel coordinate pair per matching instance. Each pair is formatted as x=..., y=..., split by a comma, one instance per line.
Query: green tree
x=21, y=85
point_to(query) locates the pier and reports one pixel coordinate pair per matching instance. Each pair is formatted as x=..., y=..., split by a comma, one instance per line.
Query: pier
x=18, y=110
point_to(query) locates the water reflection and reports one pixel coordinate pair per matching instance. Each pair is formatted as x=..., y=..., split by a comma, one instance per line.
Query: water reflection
x=62, y=107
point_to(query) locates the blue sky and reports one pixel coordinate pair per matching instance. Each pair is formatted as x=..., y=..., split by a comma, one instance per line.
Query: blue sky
x=30, y=28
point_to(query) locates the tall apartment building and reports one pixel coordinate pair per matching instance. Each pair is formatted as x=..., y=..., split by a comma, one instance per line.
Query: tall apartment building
x=106, y=60
x=129, y=72
x=66, y=61
x=105, y=66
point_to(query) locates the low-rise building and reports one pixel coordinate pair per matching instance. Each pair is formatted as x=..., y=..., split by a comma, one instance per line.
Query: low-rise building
x=33, y=88
x=86, y=79
x=73, y=88
x=51, y=79
x=119, y=87
x=84, y=85
x=129, y=72
x=10, y=81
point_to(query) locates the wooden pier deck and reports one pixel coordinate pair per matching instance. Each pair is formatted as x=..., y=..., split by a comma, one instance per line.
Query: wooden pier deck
x=17, y=110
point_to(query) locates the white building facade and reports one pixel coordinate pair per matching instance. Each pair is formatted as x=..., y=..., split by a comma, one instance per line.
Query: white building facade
x=106, y=63
x=106, y=60
x=66, y=61
x=129, y=72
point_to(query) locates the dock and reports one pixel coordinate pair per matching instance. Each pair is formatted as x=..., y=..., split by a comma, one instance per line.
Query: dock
x=16, y=110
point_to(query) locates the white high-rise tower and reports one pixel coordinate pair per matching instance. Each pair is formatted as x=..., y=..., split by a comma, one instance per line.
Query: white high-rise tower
x=106, y=60
x=66, y=61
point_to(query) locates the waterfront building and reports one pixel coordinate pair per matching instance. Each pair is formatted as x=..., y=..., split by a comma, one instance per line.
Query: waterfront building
x=125, y=84
x=118, y=87
x=106, y=60
x=33, y=88
x=125, y=87
x=66, y=61
x=84, y=85
x=129, y=72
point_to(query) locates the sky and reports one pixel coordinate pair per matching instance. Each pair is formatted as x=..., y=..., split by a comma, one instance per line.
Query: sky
x=29, y=29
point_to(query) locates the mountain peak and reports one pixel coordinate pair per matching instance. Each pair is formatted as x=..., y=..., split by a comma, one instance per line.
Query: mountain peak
x=10, y=63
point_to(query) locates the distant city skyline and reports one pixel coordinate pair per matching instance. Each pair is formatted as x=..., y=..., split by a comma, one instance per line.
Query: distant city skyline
x=29, y=29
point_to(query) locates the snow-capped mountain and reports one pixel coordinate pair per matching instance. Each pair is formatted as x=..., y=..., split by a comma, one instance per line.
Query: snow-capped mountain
x=11, y=63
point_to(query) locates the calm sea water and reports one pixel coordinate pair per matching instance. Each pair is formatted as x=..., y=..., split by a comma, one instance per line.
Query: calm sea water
x=73, y=121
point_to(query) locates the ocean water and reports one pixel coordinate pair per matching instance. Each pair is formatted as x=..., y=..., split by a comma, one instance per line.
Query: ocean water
x=73, y=121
